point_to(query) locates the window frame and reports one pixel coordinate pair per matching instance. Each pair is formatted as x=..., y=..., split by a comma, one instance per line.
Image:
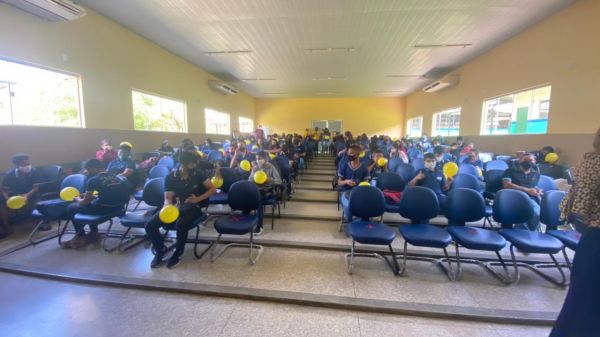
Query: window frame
x=433, y=126
x=408, y=134
x=206, y=123
x=240, y=124
x=141, y=91
x=483, y=129
x=80, y=105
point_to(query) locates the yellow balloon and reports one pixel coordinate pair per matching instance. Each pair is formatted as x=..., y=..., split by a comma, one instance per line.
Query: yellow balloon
x=16, y=202
x=382, y=162
x=551, y=158
x=201, y=154
x=326, y=137
x=450, y=169
x=479, y=171
x=126, y=143
x=247, y=141
x=364, y=183
x=69, y=193
x=260, y=177
x=217, y=181
x=361, y=155
x=95, y=192
x=222, y=151
x=168, y=214
x=245, y=165
x=272, y=156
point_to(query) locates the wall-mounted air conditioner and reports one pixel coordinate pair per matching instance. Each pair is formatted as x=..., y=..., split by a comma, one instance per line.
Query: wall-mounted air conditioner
x=222, y=87
x=51, y=10
x=443, y=83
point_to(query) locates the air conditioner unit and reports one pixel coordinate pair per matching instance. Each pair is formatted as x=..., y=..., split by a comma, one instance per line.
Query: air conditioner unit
x=222, y=87
x=51, y=10
x=443, y=83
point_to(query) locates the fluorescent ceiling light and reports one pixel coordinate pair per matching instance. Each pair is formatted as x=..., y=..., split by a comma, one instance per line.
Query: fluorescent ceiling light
x=330, y=78
x=444, y=45
x=257, y=79
x=400, y=76
x=329, y=50
x=226, y=52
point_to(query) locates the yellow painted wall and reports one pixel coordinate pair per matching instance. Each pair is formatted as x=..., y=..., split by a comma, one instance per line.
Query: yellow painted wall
x=563, y=50
x=377, y=115
x=111, y=61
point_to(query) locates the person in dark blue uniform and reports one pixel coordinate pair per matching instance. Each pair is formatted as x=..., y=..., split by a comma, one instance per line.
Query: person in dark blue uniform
x=350, y=174
x=124, y=167
x=432, y=178
x=525, y=177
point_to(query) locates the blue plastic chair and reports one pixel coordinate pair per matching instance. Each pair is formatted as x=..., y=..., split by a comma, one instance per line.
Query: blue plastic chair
x=466, y=205
x=167, y=161
x=496, y=165
x=367, y=202
x=243, y=196
x=414, y=153
x=505, y=158
x=470, y=169
x=513, y=207
x=463, y=180
x=550, y=216
x=158, y=171
x=418, y=163
x=393, y=182
x=406, y=171
x=393, y=164
x=546, y=184
x=229, y=177
x=420, y=204
x=55, y=209
x=215, y=156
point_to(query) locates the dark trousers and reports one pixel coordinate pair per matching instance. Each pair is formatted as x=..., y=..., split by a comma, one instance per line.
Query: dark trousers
x=580, y=312
x=182, y=226
x=76, y=207
x=264, y=195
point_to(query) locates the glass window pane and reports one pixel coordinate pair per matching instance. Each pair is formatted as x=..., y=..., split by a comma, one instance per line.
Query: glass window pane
x=446, y=123
x=217, y=122
x=414, y=127
x=155, y=113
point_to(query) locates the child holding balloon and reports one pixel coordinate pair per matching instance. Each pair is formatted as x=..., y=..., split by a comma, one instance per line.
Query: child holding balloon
x=265, y=175
x=434, y=179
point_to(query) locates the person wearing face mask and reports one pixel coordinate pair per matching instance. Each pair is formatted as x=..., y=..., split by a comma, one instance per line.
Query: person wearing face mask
x=189, y=190
x=432, y=178
x=473, y=159
x=241, y=153
x=112, y=195
x=106, y=154
x=266, y=189
x=22, y=180
x=373, y=166
x=350, y=173
x=440, y=159
x=124, y=167
x=525, y=177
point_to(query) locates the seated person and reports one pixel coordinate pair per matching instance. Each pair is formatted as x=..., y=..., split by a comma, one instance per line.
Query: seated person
x=124, y=167
x=266, y=189
x=432, y=178
x=350, y=174
x=165, y=148
x=541, y=154
x=207, y=146
x=374, y=169
x=473, y=159
x=524, y=177
x=22, y=180
x=240, y=154
x=106, y=154
x=440, y=158
x=190, y=191
x=113, y=194
x=186, y=146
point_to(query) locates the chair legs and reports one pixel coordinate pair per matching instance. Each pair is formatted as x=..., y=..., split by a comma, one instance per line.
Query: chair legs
x=349, y=257
x=536, y=268
x=505, y=277
x=439, y=261
x=32, y=235
x=197, y=241
x=216, y=252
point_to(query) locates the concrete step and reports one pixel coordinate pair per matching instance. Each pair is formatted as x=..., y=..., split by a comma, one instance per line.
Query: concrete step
x=315, y=196
x=312, y=170
x=314, y=185
x=316, y=177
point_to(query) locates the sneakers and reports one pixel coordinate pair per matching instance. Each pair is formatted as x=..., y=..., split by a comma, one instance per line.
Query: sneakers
x=258, y=231
x=174, y=260
x=157, y=260
x=78, y=241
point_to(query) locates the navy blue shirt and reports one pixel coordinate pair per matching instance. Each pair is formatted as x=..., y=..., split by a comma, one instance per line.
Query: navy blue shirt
x=16, y=183
x=477, y=162
x=112, y=190
x=434, y=180
x=520, y=178
x=359, y=174
x=439, y=165
x=117, y=166
x=183, y=188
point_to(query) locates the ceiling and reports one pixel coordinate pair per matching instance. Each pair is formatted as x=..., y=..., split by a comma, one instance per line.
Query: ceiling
x=277, y=33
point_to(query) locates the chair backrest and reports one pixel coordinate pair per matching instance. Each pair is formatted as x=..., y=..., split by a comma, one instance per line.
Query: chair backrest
x=469, y=169
x=486, y=156
x=462, y=158
x=512, y=207
x=366, y=202
x=505, y=158
x=414, y=153
x=153, y=193
x=549, y=208
x=167, y=161
x=496, y=165
x=51, y=172
x=464, y=205
x=74, y=180
x=229, y=177
x=418, y=163
x=283, y=164
x=546, y=183
x=419, y=204
x=243, y=196
x=553, y=171
x=493, y=180
x=406, y=171
x=393, y=164
x=214, y=156
x=390, y=181
x=158, y=171
x=462, y=180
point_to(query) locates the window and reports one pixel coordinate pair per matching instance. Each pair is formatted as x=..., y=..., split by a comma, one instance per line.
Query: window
x=523, y=112
x=414, y=127
x=217, y=123
x=38, y=97
x=446, y=123
x=246, y=125
x=155, y=113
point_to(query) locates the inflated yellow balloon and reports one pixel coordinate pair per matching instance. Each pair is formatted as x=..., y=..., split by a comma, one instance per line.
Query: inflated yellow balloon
x=245, y=165
x=260, y=177
x=247, y=141
x=201, y=154
x=272, y=156
x=450, y=169
x=16, y=202
x=95, y=192
x=551, y=158
x=326, y=137
x=222, y=151
x=217, y=181
x=126, y=143
x=69, y=193
x=361, y=155
x=168, y=214
x=364, y=183
x=382, y=162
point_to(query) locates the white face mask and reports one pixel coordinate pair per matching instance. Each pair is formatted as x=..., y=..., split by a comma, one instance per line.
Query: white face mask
x=260, y=162
x=439, y=159
x=25, y=169
x=429, y=165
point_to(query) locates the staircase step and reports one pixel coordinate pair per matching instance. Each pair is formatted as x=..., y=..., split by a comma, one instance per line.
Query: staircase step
x=315, y=196
x=314, y=185
x=316, y=177
x=311, y=170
